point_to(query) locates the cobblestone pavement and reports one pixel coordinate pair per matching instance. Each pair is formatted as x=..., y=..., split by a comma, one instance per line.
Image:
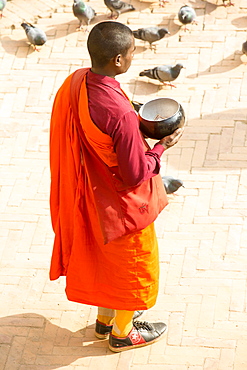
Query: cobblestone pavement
x=202, y=233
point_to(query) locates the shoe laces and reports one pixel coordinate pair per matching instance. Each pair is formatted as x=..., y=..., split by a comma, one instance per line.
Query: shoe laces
x=142, y=325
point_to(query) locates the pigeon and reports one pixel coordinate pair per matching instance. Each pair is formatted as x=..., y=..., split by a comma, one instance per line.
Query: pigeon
x=186, y=15
x=2, y=6
x=171, y=185
x=117, y=7
x=150, y=34
x=85, y=13
x=35, y=35
x=244, y=48
x=227, y=3
x=163, y=73
x=136, y=105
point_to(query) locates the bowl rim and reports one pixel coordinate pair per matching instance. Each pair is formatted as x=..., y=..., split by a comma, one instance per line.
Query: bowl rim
x=158, y=120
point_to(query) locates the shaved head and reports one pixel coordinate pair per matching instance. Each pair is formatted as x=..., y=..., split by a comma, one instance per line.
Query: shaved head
x=106, y=40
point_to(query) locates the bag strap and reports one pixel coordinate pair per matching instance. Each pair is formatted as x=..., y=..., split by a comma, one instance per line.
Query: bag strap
x=75, y=87
x=96, y=169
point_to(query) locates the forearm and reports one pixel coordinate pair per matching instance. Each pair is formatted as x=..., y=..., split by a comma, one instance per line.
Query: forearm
x=137, y=166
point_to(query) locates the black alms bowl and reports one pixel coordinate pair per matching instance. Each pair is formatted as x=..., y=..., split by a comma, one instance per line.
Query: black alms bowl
x=160, y=117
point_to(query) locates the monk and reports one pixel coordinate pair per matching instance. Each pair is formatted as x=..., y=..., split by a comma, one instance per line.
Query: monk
x=106, y=192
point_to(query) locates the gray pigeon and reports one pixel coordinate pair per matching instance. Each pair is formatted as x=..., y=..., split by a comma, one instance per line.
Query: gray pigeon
x=2, y=6
x=163, y=73
x=186, y=15
x=35, y=35
x=171, y=185
x=244, y=48
x=83, y=12
x=117, y=7
x=150, y=34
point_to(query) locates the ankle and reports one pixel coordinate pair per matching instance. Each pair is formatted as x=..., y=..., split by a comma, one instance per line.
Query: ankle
x=122, y=333
x=105, y=319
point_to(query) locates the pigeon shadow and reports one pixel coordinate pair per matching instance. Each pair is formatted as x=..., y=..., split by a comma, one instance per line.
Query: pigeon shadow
x=72, y=27
x=224, y=67
x=237, y=115
x=141, y=5
x=36, y=342
x=172, y=26
x=144, y=47
x=240, y=22
x=11, y=46
x=141, y=48
x=143, y=89
x=210, y=7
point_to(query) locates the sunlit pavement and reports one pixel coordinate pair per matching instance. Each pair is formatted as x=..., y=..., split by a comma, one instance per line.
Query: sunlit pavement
x=202, y=233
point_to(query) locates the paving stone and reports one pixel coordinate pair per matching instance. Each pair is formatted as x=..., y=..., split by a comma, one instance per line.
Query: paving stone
x=202, y=233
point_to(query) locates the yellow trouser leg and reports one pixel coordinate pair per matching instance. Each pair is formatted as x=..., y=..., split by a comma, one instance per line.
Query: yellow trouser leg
x=105, y=315
x=122, y=324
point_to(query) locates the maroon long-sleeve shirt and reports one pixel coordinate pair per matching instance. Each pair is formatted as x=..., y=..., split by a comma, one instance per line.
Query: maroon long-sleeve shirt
x=113, y=114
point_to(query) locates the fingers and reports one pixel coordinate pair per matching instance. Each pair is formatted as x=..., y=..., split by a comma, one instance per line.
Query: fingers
x=178, y=132
x=169, y=141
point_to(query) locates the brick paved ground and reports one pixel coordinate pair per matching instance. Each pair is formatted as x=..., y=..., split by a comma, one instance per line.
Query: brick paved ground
x=203, y=231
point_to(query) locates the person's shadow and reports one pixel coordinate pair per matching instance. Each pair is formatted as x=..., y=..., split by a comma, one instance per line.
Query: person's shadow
x=32, y=341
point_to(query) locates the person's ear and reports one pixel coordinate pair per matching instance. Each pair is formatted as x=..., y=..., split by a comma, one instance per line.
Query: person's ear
x=117, y=60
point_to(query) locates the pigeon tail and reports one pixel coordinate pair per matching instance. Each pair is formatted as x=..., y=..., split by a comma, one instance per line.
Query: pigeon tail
x=137, y=34
x=127, y=8
x=151, y=73
x=148, y=73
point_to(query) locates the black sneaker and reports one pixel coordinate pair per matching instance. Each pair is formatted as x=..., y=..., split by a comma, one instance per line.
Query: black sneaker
x=102, y=330
x=137, y=314
x=142, y=334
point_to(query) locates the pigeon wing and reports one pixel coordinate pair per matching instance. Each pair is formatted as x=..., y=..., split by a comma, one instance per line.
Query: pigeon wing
x=36, y=36
x=90, y=13
x=164, y=73
x=151, y=34
x=120, y=5
x=114, y=4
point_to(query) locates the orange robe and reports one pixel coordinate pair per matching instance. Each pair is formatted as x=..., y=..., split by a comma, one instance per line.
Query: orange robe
x=122, y=274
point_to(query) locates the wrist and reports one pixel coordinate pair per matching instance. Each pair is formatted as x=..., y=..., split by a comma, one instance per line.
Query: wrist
x=159, y=147
x=163, y=144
